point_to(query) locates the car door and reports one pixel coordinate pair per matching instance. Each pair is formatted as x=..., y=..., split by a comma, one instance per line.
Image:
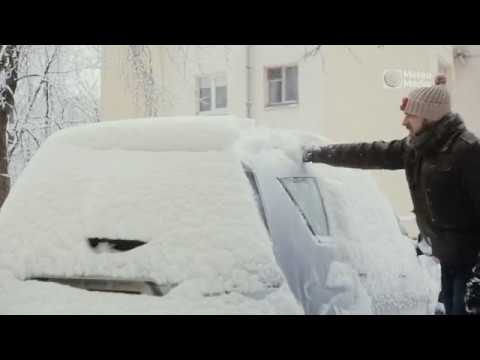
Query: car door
x=297, y=221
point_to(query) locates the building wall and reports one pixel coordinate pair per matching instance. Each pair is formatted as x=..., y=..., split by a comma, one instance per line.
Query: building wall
x=115, y=102
x=305, y=115
x=466, y=98
x=341, y=91
x=175, y=70
x=180, y=80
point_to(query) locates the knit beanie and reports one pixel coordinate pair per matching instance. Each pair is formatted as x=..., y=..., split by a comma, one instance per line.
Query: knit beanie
x=431, y=103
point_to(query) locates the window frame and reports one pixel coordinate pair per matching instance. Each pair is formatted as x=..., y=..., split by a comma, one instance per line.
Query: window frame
x=283, y=81
x=212, y=79
x=252, y=179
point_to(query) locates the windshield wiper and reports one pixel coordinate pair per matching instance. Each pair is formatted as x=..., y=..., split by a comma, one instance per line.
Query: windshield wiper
x=109, y=284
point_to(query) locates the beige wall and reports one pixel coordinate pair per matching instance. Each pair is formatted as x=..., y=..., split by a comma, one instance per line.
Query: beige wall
x=185, y=66
x=115, y=102
x=341, y=91
x=305, y=115
x=175, y=70
x=466, y=94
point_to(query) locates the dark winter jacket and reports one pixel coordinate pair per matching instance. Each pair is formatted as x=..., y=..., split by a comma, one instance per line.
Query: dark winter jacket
x=443, y=174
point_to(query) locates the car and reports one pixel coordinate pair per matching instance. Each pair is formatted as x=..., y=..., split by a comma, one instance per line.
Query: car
x=199, y=215
x=336, y=237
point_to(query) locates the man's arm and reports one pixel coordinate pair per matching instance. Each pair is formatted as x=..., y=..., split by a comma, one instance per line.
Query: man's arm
x=376, y=155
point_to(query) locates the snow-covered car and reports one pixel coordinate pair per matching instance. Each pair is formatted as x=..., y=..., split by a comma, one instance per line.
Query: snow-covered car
x=199, y=215
x=336, y=237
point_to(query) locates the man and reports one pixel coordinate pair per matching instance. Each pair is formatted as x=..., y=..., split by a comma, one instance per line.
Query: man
x=441, y=159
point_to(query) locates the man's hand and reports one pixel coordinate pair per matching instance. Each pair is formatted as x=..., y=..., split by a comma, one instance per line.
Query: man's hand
x=317, y=153
x=307, y=155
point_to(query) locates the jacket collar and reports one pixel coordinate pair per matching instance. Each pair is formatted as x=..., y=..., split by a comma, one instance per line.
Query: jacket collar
x=440, y=136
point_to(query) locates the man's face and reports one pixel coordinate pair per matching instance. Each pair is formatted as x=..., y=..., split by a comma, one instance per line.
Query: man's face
x=413, y=123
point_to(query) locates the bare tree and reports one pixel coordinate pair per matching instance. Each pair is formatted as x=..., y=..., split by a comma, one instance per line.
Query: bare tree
x=8, y=85
x=144, y=86
x=53, y=92
x=312, y=51
x=149, y=90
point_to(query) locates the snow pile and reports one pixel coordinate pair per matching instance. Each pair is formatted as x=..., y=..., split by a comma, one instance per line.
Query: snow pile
x=34, y=297
x=354, y=299
x=432, y=267
x=279, y=143
x=173, y=183
x=183, y=133
x=369, y=238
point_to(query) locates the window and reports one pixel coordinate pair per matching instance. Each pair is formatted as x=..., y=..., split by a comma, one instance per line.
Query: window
x=304, y=193
x=212, y=93
x=282, y=84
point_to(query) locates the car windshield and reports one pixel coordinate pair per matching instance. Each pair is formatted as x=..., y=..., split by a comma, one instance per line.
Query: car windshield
x=305, y=194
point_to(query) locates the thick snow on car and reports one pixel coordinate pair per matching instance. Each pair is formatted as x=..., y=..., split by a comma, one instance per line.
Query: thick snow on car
x=335, y=235
x=198, y=215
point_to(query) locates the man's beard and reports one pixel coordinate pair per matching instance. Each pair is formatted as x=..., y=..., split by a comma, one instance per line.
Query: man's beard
x=412, y=137
x=410, y=140
x=421, y=136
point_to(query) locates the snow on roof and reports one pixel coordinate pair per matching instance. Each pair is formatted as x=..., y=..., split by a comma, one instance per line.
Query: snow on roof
x=182, y=190
x=182, y=133
x=285, y=143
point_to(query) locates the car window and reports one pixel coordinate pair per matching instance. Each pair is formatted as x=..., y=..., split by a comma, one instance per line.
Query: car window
x=305, y=194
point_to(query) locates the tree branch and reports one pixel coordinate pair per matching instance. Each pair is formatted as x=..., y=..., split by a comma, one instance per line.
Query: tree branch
x=2, y=50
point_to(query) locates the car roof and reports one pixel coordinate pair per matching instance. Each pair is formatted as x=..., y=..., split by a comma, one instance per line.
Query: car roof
x=181, y=133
